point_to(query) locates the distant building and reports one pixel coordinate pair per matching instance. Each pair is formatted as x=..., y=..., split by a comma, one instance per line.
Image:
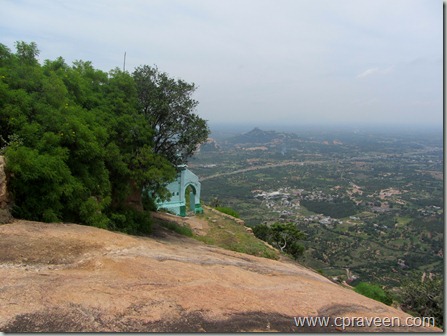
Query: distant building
x=177, y=202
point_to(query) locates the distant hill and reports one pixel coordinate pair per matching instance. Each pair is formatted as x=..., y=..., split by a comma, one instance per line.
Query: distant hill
x=259, y=137
x=209, y=146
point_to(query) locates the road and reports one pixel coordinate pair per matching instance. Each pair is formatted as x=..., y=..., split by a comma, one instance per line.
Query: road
x=282, y=164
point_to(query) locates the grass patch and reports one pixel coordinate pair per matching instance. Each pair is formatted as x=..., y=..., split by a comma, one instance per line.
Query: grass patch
x=402, y=221
x=180, y=229
x=228, y=211
x=226, y=233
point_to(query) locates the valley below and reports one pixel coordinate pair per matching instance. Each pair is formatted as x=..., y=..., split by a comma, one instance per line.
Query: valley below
x=370, y=201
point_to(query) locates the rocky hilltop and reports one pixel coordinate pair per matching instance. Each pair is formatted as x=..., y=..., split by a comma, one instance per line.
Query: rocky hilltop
x=73, y=278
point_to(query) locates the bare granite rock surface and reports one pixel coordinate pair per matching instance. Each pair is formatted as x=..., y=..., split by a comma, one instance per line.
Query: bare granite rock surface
x=72, y=278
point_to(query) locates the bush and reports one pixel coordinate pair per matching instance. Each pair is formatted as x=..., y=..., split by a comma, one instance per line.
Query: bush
x=296, y=250
x=180, y=229
x=283, y=235
x=424, y=298
x=228, y=211
x=262, y=232
x=149, y=203
x=131, y=221
x=374, y=292
x=79, y=144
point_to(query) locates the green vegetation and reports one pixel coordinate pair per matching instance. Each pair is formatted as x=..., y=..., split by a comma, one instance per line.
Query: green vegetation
x=180, y=229
x=130, y=221
x=283, y=235
x=167, y=106
x=226, y=233
x=334, y=209
x=228, y=211
x=82, y=144
x=370, y=201
x=373, y=291
x=422, y=295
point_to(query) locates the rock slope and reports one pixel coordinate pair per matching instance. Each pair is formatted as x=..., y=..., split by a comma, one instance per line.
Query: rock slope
x=73, y=278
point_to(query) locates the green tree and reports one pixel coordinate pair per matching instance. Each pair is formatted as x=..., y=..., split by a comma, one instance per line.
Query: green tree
x=78, y=147
x=424, y=296
x=168, y=107
x=27, y=52
x=285, y=236
x=262, y=232
x=132, y=162
x=54, y=146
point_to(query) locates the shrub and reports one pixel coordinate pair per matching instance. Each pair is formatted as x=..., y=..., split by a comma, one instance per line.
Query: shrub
x=131, y=221
x=80, y=145
x=424, y=298
x=180, y=229
x=262, y=232
x=283, y=235
x=228, y=211
x=373, y=292
x=296, y=250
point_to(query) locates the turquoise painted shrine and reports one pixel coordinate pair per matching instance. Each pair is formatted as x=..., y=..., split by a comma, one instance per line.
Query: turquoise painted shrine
x=185, y=194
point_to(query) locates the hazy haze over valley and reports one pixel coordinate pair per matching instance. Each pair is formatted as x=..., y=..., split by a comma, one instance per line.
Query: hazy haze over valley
x=260, y=62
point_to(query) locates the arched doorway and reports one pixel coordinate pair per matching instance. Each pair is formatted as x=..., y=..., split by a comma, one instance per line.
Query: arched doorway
x=190, y=198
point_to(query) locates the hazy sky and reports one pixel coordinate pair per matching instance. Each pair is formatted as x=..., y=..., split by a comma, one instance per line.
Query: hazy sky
x=259, y=61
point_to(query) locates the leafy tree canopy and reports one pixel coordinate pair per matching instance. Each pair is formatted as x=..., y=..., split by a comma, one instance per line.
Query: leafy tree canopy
x=168, y=107
x=424, y=296
x=285, y=236
x=79, y=145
